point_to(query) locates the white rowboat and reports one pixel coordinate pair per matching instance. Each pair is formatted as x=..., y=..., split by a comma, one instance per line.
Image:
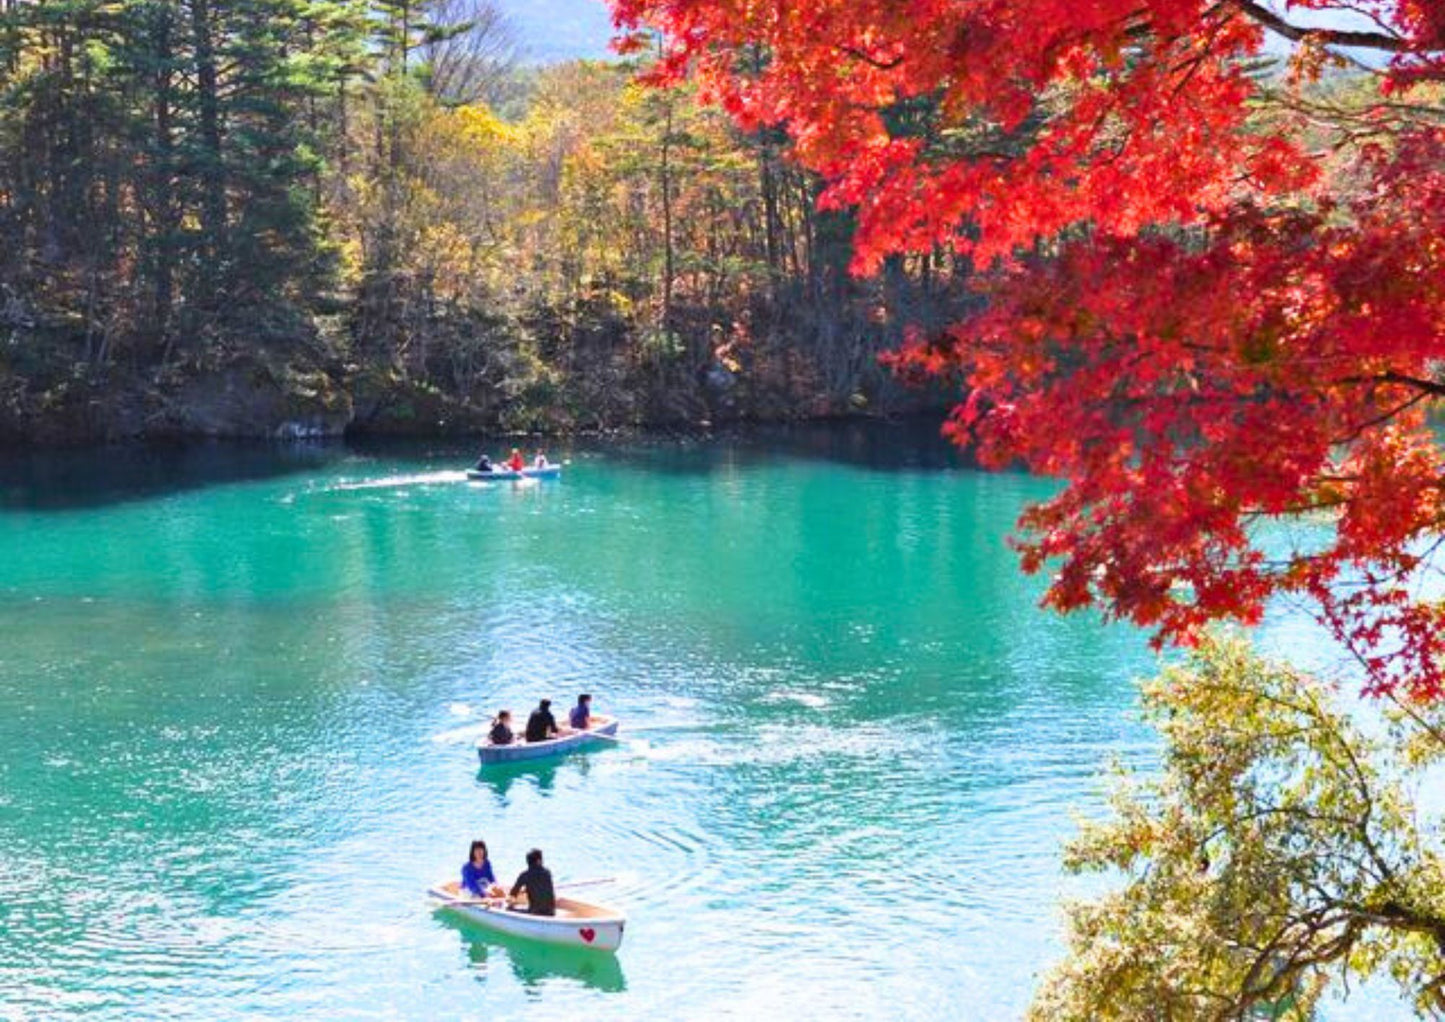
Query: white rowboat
x=576, y=924
x=602, y=729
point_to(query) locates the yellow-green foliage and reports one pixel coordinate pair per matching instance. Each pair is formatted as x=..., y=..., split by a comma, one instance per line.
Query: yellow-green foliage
x=1281, y=851
x=567, y=203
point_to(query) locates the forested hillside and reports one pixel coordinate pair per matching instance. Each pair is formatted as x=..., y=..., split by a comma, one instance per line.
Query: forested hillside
x=277, y=216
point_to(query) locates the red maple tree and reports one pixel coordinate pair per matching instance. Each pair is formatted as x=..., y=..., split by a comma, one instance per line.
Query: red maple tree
x=1216, y=290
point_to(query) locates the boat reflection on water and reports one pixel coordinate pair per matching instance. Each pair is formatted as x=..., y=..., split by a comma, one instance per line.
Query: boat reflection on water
x=534, y=964
x=500, y=777
x=540, y=775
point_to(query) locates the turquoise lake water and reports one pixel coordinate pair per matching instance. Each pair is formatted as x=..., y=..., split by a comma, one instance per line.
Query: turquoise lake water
x=224, y=673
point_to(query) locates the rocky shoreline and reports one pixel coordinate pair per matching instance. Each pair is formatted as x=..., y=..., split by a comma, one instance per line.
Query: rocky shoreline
x=249, y=399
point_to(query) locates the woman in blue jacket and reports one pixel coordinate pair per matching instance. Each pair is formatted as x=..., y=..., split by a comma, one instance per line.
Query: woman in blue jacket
x=478, y=880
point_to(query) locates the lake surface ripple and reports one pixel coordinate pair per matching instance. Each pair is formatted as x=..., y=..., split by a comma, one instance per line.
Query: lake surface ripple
x=855, y=739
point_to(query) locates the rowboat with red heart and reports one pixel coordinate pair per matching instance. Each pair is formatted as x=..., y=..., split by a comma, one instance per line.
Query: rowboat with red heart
x=576, y=924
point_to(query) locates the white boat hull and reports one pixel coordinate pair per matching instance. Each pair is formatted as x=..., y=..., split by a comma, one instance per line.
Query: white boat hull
x=519, y=752
x=502, y=475
x=577, y=923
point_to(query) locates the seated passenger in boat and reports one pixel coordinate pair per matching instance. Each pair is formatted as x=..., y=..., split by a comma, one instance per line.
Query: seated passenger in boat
x=540, y=461
x=515, y=462
x=541, y=725
x=537, y=882
x=478, y=880
x=501, y=733
x=581, y=715
x=484, y=464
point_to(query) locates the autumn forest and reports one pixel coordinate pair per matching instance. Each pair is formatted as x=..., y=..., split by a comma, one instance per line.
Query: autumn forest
x=293, y=217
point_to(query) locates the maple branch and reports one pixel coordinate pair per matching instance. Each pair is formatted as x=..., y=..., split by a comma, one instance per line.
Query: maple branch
x=1301, y=508
x=1418, y=719
x=1193, y=66
x=1382, y=418
x=1432, y=387
x=881, y=65
x=1207, y=51
x=1329, y=36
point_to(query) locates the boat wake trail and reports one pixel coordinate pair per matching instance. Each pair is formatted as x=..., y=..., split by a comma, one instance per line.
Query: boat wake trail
x=413, y=479
x=461, y=734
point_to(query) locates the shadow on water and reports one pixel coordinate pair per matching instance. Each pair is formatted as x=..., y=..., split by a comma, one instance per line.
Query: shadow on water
x=540, y=774
x=75, y=480
x=911, y=444
x=69, y=480
x=901, y=445
x=532, y=963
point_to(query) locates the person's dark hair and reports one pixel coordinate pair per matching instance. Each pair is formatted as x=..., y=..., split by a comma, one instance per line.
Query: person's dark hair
x=534, y=857
x=472, y=852
x=546, y=703
x=503, y=714
x=583, y=698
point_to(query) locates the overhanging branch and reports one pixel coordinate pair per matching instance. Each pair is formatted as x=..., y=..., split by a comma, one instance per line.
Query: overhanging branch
x=1432, y=387
x=1330, y=36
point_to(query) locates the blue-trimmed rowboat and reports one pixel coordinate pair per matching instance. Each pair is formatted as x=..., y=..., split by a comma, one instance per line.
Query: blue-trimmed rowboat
x=499, y=475
x=602, y=729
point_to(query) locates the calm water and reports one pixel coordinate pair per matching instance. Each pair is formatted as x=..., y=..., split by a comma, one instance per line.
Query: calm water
x=223, y=673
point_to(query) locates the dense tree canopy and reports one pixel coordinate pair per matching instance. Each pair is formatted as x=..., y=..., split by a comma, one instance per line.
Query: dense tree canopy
x=367, y=212
x=1215, y=281
x=1282, y=853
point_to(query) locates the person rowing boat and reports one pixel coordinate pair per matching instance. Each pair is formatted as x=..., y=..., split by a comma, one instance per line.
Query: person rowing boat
x=541, y=725
x=536, y=883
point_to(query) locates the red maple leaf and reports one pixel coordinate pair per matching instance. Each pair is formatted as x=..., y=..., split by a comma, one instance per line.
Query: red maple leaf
x=1216, y=295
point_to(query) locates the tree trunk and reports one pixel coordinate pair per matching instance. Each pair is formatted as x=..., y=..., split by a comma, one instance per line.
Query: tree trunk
x=212, y=169
x=667, y=247
x=163, y=200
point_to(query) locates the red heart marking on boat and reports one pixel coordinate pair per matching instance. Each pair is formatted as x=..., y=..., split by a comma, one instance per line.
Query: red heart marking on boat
x=588, y=934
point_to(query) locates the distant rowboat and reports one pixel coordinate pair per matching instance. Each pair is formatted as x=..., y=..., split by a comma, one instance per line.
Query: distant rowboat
x=498, y=475
x=602, y=729
x=576, y=924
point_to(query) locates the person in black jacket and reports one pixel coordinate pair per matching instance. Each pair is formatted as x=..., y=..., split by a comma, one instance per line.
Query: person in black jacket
x=541, y=725
x=501, y=733
x=537, y=882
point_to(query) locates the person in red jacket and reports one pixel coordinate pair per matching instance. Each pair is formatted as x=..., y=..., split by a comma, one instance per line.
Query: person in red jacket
x=515, y=462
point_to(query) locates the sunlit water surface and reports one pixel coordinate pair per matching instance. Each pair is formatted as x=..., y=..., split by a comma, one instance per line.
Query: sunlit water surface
x=853, y=741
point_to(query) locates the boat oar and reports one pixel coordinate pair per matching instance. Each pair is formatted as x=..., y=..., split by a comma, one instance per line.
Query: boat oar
x=587, y=883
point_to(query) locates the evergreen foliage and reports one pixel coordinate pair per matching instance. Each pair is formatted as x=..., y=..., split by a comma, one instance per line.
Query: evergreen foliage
x=374, y=205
